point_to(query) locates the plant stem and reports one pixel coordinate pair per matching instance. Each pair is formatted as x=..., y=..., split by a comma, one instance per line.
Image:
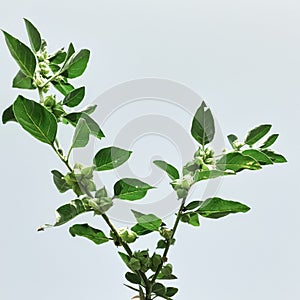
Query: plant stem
x=165, y=254
x=41, y=94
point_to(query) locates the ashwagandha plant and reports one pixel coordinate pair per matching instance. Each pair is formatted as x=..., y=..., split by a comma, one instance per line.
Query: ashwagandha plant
x=42, y=71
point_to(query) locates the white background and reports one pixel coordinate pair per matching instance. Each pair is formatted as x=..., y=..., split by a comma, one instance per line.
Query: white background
x=243, y=58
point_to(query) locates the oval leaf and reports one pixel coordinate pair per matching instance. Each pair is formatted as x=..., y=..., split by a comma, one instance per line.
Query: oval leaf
x=131, y=189
x=237, y=162
x=76, y=64
x=22, y=55
x=81, y=134
x=34, y=36
x=210, y=174
x=262, y=158
x=74, y=97
x=110, y=158
x=149, y=221
x=270, y=141
x=35, y=119
x=275, y=157
x=215, y=208
x=95, y=235
x=94, y=128
x=257, y=133
x=203, y=126
x=169, y=169
x=60, y=182
x=63, y=87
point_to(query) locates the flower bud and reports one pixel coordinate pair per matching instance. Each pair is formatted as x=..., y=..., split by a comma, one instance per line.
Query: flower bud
x=50, y=101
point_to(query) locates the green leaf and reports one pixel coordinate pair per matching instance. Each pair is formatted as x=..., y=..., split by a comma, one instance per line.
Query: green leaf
x=81, y=134
x=70, y=51
x=270, y=141
x=171, y=291
x=94, y=128
x=59, y=57
x=257, y=133
x=210, y=174
x=133, y=278
x=191, y=218
x=34, y=36
x=149, y=221
x=203, y=127
x=69, y=211
x=193, y=205
x=22, y=55
x=140, y=230
x=275, y=157
x=76, y=64
x=124, y=257
x=21, y=81
x=89, y=109
x=169, y=169
x=161, y=244
x=232, y=138
x=110, y=158
x=159, y=289
x=8, y=115
x=60, y=182
x=262, y=158
x=236, y=162
x=35, y=119
x=215, y=208
x=63, y=87
x=95, y=235
x=131, y=189
x=74, y=97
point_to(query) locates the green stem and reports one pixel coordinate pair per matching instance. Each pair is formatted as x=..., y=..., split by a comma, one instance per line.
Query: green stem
x=41, y=94
x=169, y=241
x=50, y=79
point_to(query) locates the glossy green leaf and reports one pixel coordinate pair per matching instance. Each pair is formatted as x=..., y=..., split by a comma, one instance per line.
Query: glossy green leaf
x=275, y=157
x=257, y=133
x=270, y=141
x=237, y=162
x=63, y=87
x=262, y=158
x=169, y=169
x=193, y=205
x=81, y=134
x=76, y=64
x=94, y=128
x=191, y=218
x=148, y=221
x=60, y=182
x=95, y=235
x=110, y=158
x=203, y=127
x=159, y=289
x=75, y=97
x=34, y=36
x=8, y=115
x=21, y=81
x=35, y=119
x=58, y=58
x=22, y=55
x=215, y=208
x=131, y=189
x=210, y=174
x=232, y=138
x=133, y=278
x=69, y=211
x=161, y=244
x=140, y=230
x=171, y=291
x=70, y=51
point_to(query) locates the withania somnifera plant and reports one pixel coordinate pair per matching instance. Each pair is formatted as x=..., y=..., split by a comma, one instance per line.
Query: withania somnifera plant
x=147, y=272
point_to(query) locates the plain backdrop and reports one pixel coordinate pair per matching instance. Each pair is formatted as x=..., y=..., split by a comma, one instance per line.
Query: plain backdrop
x=243, y=58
